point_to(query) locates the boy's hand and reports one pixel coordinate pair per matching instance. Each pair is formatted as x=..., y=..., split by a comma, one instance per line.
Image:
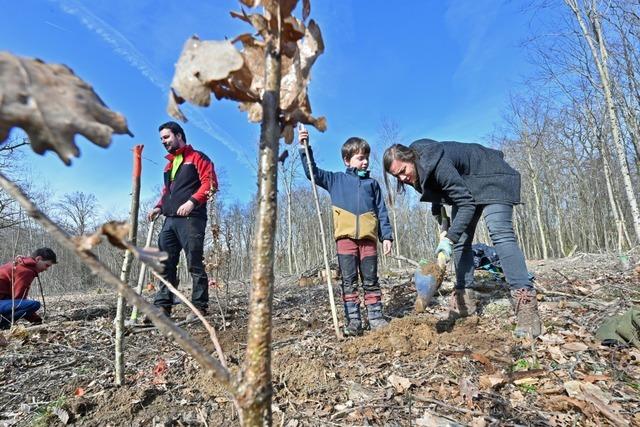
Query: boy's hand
x=386, y=247
x=303, y=137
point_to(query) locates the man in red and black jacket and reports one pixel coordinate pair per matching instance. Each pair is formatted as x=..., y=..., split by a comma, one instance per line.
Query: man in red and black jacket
x=15, y=280
x=189, y=180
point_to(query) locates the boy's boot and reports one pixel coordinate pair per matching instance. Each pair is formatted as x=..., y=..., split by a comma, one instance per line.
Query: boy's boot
x=525, y=306
x=353, y=322
x=374, y=310
x=463, y=303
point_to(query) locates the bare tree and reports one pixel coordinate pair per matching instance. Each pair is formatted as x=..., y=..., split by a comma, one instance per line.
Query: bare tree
x=78, y=212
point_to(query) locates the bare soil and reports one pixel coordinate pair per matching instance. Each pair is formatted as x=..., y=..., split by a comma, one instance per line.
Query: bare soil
x=423, y=369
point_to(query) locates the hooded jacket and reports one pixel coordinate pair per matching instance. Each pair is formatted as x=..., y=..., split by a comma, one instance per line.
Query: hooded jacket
x=464, y=176
x=21, y=272
x=359, y=211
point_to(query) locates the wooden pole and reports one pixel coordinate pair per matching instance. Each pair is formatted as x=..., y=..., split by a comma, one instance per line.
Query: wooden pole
x=143, y=270
x=327, y=267
x=126, y=265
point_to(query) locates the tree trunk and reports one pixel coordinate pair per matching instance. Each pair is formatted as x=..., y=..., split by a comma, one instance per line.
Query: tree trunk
x=256, y=390
x=538, y=202
x=600, y=55
x=126, y=265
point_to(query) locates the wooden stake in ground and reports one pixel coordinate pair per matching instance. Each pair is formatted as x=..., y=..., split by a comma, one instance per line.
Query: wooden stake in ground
x=334, y=314
x=143, y=271
x=126, y=264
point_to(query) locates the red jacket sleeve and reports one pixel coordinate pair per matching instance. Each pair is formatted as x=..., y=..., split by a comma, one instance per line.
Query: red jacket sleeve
x=208, y=180
x=22, y=278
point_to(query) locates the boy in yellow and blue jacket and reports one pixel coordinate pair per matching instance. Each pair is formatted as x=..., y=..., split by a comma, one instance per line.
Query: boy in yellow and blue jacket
x=359, y=219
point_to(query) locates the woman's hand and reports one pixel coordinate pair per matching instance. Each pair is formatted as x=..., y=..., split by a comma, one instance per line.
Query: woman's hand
x=445, y=246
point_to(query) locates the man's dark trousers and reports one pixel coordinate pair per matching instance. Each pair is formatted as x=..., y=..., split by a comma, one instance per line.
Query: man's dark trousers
x=186, y=233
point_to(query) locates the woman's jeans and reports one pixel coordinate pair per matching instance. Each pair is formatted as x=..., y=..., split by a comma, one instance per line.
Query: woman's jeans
x=499, y=221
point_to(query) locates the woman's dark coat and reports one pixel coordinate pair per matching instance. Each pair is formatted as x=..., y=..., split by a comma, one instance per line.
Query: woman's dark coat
x=464, y=176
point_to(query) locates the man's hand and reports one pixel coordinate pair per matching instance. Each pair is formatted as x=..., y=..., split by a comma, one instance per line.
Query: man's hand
x=386, y=247
x=186, y=208
x=153, y=213
x=303, y=137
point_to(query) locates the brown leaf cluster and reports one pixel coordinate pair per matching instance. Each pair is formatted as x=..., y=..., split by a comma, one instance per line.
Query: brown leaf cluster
x=52, y=105
x=216, y=67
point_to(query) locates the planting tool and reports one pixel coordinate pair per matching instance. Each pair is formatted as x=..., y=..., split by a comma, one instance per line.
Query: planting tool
x=429, y=275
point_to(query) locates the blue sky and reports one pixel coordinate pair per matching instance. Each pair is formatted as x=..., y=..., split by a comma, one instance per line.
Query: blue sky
x=439, y=69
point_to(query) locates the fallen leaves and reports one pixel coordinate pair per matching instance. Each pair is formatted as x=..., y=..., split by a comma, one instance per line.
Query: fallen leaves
x=52, y=105
x=591, y=399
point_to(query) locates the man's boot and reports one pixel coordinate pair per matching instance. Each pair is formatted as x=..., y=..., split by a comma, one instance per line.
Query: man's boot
x=166, y=310
x=353, y=322
x=463, y=303
x=525, y=306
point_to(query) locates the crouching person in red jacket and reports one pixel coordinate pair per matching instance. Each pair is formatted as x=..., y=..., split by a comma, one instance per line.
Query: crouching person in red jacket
x=15, y=280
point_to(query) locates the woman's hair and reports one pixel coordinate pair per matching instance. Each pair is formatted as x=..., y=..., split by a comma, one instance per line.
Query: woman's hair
x=401, y=153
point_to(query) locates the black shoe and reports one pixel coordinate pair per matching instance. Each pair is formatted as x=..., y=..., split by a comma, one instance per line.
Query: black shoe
x=191, y=317
x=146, y=320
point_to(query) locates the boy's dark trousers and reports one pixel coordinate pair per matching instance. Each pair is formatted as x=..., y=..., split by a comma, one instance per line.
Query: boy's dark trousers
x=186, y=233
x=353, y=256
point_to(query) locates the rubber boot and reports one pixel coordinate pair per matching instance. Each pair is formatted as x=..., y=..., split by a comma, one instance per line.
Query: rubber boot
x=353, y=322
x=376, y=319
x=525, y=306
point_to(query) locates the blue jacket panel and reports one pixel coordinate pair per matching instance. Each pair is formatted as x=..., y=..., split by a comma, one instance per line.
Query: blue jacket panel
x=359, y=211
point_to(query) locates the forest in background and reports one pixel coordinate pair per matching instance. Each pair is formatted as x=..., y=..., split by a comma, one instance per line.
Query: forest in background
x=574, y=136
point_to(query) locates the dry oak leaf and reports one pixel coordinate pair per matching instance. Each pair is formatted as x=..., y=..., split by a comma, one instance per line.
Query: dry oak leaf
x=240, y=75
x=575, y=346
x=52, y=105
x=201, y=66
x=399, y=383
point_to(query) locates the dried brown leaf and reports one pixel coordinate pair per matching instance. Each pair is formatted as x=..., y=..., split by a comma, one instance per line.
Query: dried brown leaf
x=117, y=233
x=399, y=383
x=432, y=420
x=491, y=381
x=468, y=391
x=604, y=406
x=575, y=346
x=244, y=82
x=488, y=366
x=256, y=20
x=306, y=9
x=52, y=105
x=201, y=64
